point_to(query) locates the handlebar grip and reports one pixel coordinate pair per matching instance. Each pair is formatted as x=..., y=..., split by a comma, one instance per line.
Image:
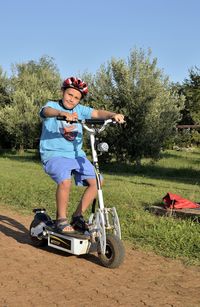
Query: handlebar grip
x=69, y=121
x=61, y=118
x=95, y=121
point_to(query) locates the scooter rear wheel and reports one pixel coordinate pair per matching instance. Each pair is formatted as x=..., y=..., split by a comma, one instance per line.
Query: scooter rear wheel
x=115, y=252
x=34, y=240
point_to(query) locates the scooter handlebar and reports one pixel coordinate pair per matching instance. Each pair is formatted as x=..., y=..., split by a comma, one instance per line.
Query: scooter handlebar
x=87, y=121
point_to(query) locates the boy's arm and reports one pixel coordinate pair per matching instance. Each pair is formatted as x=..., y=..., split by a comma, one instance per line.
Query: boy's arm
x=103, y=114
x=51, y=112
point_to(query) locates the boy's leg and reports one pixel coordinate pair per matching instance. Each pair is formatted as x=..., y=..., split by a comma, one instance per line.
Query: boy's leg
x=87, y=198
x=59, y=169
x=62, y=199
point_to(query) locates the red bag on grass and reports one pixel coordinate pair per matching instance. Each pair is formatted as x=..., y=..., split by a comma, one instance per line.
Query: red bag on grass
x=174, y=201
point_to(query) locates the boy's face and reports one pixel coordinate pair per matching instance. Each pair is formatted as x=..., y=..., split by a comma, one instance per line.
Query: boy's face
x=71, y=97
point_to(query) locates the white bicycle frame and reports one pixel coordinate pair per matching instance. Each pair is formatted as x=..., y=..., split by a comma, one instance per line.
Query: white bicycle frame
x=100, y=219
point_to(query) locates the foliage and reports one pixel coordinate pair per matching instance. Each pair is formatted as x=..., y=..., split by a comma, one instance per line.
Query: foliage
x=40, y=80
x=191, y=91
x=31, y=85
x=191, y=111
x=195, y=136
x=5, y=100
x=138, y=89
x=185, y=138
x=135, y=87
x=4, y=89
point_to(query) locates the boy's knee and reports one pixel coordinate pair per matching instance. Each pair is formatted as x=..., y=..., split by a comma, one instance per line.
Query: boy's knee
x=93, y=183
x=65, y=184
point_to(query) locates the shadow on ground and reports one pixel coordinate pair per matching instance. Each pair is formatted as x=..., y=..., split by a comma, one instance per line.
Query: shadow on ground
x=12, y=228
x=181, y=175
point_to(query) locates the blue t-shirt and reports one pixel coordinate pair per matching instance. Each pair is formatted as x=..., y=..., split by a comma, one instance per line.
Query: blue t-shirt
x=54, y=141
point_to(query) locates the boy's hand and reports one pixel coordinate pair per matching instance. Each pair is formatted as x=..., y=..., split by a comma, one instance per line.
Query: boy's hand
x=119, y=118
x=70, y=117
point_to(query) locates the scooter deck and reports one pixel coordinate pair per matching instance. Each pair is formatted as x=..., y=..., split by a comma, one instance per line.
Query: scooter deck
x=76, y=234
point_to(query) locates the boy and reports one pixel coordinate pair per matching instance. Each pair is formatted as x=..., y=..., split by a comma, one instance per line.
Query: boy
x=62, y=154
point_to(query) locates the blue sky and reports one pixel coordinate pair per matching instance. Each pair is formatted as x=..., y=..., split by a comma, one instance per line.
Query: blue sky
x=82, y=35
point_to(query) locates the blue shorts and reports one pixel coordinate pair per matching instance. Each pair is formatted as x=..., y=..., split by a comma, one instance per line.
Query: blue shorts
x=60, y=168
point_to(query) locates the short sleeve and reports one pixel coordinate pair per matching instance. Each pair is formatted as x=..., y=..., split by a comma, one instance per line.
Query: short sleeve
x=86, y=112
x=51, y=104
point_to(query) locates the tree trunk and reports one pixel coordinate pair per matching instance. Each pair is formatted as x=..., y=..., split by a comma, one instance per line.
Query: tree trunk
x=21, y=149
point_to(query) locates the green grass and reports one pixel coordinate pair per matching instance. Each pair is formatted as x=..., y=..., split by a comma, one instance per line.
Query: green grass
x=131, y=189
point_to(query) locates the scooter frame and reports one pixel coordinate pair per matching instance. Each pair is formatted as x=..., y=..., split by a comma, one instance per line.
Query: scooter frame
x=100, y=219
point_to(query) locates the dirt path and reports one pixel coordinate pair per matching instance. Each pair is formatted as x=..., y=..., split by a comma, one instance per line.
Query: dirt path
x=45, y=277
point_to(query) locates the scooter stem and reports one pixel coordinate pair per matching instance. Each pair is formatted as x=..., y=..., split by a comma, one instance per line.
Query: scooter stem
x=97, y=172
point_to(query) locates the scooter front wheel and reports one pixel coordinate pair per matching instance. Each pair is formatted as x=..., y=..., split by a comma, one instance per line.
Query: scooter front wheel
x=114, y=254
x=35, y=240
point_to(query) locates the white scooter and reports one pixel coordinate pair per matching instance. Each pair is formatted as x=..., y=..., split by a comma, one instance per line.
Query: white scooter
x=103, y=234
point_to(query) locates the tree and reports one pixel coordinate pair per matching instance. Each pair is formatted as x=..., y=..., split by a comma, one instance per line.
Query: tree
x=191, y=112
x=5, y=99
x=32, y=84
x=138, y=89
x=191, y=90
x=4, y=89
x=40, y=80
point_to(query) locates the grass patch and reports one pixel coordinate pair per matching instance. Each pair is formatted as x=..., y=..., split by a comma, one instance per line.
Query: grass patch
x=24, y=185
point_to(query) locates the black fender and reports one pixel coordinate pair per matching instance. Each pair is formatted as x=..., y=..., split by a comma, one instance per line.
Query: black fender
x=41, y=216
